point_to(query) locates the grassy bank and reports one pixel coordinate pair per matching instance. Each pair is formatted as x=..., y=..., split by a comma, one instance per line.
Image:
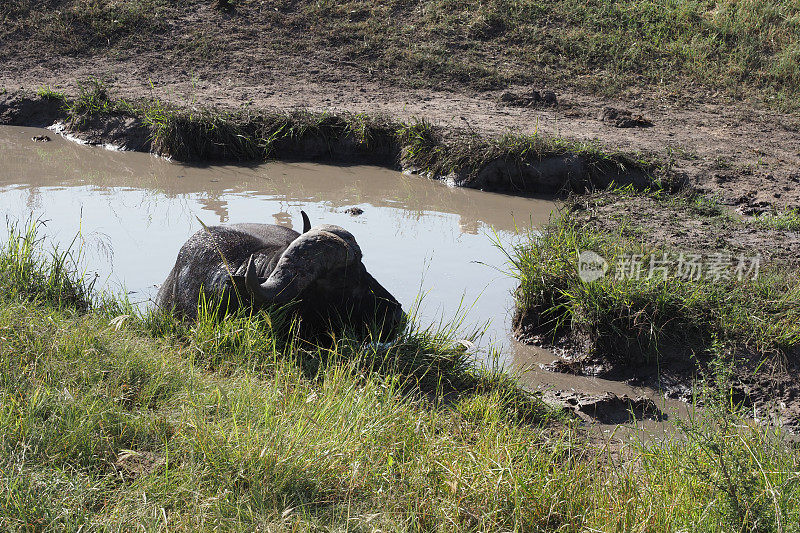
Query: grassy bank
x=741, y=48
x=655, y=300
x=113, y=420
x=515, y=163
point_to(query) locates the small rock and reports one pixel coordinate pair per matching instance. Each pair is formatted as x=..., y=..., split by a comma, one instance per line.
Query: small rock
x=40, y=138
x=508, y=97
x=549, y=97
x=622, y=118
x=354, y=211
x=223, y=5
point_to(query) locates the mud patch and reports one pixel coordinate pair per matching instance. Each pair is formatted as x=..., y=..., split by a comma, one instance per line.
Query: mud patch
x=533, y=98
x=608, y=408
x=622, y=118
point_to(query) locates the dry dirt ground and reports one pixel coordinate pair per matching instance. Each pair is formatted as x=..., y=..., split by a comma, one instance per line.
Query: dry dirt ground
x=677, y=224
x=746, y=156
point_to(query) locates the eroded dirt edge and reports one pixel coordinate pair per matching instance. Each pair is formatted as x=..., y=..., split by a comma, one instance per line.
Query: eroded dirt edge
x=766, y=384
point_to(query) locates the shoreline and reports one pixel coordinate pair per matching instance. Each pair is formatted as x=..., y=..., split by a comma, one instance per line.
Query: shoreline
x=516, y=164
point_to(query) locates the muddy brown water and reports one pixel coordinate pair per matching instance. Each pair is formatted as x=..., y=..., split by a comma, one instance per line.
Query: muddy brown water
x=430, y=245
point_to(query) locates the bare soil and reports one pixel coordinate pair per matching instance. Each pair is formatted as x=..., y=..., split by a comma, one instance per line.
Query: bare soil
x=676, y=223
x=745, y=155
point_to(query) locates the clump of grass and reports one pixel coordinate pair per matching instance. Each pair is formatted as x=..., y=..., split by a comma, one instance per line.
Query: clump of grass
x=423, y=147
x=706, y=206
x=28, y=274
x=93, y=102
x=209, y=134
x=48, y=93
x=92, y=98
x=637, y=315
x=788, y=220
x=466, y=156
x=202, y=135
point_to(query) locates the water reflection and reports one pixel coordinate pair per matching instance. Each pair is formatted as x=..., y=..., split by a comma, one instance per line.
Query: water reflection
x=63, y=163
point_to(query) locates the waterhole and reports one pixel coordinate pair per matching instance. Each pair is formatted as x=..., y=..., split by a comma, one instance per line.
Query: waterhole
x=421, y=239
x=435, y=248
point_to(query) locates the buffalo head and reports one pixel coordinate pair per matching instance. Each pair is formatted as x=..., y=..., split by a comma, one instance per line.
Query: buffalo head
x=318, y=273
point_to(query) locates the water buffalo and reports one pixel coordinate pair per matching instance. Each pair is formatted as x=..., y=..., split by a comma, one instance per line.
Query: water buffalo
x=263, y=265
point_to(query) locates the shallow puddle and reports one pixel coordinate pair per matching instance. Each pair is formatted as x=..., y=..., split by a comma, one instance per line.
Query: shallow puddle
x=420, y=238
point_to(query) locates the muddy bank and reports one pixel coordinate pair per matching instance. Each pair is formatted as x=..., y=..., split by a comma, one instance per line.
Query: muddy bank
x=511, y=163
x=731, y=322
x=766, y=387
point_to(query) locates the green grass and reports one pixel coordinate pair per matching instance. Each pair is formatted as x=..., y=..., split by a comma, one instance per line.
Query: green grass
x=788, y=220
x=638, y=319
x=745, y=48
x=605, y=46
x=82, y=26
x=112, y=421
x=705, y=206
x=32, y=275
x=47, y=93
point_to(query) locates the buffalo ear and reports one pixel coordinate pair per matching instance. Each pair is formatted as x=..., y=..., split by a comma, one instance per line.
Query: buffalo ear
x=239, y=288
x=239, y=282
